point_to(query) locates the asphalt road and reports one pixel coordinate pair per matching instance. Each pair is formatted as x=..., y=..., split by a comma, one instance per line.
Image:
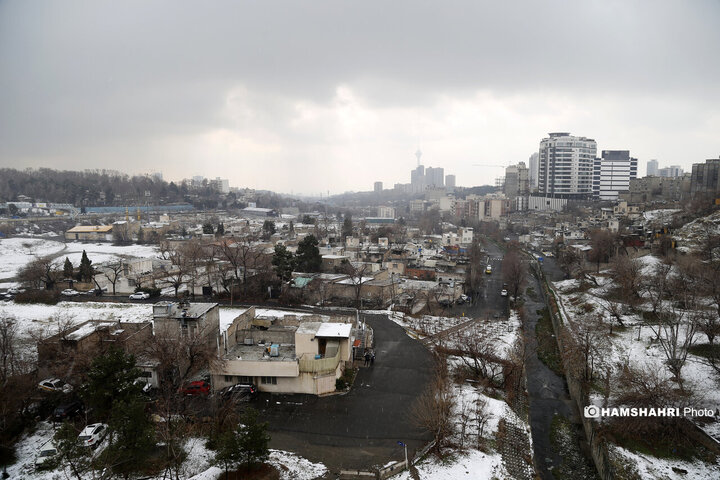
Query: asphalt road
x=361, y=428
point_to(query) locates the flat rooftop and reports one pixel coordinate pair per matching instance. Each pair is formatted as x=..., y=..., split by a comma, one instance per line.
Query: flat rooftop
x=258, y=353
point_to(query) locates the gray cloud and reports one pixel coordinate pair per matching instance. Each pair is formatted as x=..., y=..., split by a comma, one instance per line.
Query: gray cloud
x=82, y=82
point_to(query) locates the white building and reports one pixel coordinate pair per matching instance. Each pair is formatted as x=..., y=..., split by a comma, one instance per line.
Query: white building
x=386, y=212
x=533, y=170
x=565, y=166
x=652, y=168
x=612, y=174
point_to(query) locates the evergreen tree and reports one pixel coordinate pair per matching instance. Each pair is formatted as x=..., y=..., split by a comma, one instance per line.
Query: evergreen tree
x=133, y=436
x=308, y=255
x=70, y=452
x=220, y=230
x=85, y=273
x=284, y=262
x=268, y=228
x=253, y=438
x=111, y=378
x=347, y=228
x=68, y=268
x=208, y=228
x=140, y=237
x=228, y=450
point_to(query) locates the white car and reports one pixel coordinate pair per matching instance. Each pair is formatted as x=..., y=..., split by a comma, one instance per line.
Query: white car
x=92, y=435
x=139, y=296
x=69, y=292
x=48, y=452
x=55, y=385
x=503, y=293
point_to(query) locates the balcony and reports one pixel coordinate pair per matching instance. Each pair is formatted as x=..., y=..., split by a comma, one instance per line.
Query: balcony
x=310, y=364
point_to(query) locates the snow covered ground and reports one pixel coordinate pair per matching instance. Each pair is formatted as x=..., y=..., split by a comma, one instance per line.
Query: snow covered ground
x=46, y=319
x=197, y=466
x=18, y=252
x=472, y=464
x=636, y=346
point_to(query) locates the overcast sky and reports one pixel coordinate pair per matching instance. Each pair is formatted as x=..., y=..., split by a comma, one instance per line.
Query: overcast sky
x=312, y=96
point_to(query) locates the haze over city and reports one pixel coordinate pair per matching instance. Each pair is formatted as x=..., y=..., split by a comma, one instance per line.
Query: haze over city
x=329, y=96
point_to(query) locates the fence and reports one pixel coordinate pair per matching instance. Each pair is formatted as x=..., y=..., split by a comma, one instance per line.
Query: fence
x=310, y=364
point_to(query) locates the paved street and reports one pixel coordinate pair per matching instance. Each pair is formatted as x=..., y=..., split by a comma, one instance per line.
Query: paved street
x=362, y=428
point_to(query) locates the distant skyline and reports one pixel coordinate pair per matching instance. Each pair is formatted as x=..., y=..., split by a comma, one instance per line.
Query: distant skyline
x=332, y=96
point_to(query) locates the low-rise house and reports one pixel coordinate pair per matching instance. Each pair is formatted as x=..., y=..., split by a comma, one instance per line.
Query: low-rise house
x=77, y=346
x=289, y=355
x=90, y=233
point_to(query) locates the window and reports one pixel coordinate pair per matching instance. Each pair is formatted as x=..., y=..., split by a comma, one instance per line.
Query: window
x=268, y=380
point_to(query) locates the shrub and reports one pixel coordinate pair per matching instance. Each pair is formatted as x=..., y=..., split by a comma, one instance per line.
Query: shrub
x=48, y=297
x=340, y=384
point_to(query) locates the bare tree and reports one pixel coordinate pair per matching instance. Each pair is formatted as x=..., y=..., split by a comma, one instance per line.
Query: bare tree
x=8, y=347
x=113, y=272
x=604, y=245
x=627, y=275
x=38, y=273
x=675, y=337
x=587, y=346
x=514, y=271
x=356, y=272
x=474, y=277
x=433, y=410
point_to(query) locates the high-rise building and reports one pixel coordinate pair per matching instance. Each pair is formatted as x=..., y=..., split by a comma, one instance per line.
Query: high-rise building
x=705, y=179
x=378, y=187
x=652, y=168
x=565, y=166
x=533, y=170
x=386, y=212
x=450, y=181
x=417, y=179
x=612, y=174
x=517, y=184
x=673, y=171
x=434, y=177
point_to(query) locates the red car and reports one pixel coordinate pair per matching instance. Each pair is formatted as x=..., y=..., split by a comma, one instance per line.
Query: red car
x=196, y=388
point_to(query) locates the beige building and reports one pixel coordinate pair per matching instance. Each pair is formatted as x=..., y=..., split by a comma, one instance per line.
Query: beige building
x=90, y=233
x=286, y=355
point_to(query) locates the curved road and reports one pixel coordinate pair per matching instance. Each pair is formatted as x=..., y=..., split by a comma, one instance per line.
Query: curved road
x=362, y=428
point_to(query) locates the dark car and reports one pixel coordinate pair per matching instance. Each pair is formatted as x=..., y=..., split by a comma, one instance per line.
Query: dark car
x=242, y=392
x=67, y=411
x=199, y=387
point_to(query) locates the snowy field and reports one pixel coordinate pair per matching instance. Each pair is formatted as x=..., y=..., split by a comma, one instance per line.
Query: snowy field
x=472, y=464
x=18, y=252
x=197, y=466
x=38, y=316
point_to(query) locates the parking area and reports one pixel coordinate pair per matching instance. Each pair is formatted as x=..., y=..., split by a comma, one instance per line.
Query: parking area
x=361, y=428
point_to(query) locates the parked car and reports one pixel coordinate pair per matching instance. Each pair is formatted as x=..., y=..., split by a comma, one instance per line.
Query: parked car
x=242, y=392
x=92, y=435
x=140, y=296
x=15, y=290
x=47, y=454
x=69, y=292
x=67, y=411
x=55, y=385
x=199, y=387
x=503, y=293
